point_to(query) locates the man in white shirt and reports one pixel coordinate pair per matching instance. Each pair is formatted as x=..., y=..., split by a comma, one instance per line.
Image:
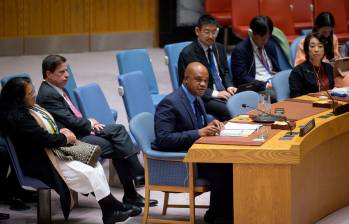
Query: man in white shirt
x=254, y=59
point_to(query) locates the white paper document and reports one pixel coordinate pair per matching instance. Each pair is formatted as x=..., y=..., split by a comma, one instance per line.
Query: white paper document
x=239, y=129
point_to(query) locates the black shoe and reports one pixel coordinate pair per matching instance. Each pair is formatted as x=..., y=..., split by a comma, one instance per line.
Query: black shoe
x=117, y=216
x=4, y=216
x=139, y=201
x=135, y=209
x=17, y=204
x=139, y=181
x=208, y=217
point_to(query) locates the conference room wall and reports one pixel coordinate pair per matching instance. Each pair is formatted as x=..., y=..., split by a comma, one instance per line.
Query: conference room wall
x=47, y=26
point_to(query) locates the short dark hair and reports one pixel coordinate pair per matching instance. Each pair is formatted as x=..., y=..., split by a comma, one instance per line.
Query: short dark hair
x=261, y=25
x=51, y=62
x=307, y=43
x=206, y=20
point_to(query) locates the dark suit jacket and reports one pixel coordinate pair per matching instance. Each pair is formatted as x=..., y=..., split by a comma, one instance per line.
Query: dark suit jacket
x=194, y=53
x=176, y=128
x=54, y=103
x=302, y=79
x=243, y=66
x=30, y=140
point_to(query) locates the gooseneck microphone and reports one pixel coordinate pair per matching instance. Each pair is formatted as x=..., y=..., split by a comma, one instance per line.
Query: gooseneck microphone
x=271, y=117
x=319, y=86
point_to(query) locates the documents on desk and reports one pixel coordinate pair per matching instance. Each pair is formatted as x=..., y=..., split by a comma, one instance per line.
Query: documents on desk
x=239, y=129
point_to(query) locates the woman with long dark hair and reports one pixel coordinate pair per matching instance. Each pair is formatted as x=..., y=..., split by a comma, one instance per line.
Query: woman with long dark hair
x=313, y=75
x=323, y=24
x=19, y=119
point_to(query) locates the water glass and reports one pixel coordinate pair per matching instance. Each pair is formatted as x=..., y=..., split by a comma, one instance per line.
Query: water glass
x=262, y=133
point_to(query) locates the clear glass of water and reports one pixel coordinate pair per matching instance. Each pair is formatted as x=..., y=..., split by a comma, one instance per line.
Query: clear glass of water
x=262, y=133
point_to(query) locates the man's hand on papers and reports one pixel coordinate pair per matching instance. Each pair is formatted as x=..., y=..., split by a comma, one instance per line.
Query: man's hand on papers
x=213, y=128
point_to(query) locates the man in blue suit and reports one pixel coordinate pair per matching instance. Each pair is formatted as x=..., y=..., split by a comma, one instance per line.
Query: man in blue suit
x=180, y=119
x=254, y=59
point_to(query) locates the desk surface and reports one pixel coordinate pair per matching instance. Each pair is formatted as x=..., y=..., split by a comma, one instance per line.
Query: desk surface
x=274, y=151
x=296, y=181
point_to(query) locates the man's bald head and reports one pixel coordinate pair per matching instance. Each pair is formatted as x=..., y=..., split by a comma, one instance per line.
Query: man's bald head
x=196, y=78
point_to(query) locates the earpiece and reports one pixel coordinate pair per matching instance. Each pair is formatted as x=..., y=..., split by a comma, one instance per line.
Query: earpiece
x=250, y=32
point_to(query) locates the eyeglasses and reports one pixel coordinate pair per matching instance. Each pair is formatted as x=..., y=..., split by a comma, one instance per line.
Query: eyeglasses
x=207, y=32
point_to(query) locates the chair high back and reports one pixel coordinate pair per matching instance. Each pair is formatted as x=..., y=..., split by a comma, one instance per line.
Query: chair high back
x=164, y=171
x=92, y=103
x=280, y=56
x=30, y=183
x=302, y=14
x=135, y=94
x=242, y=12
x=138, y=60
x=219, y=9
x=70, y=86
x=229, y=66
x=294, y=48
x=7, y=78
x=235, y=102
x=338, y=10
x=282, y=19
x=281, y=85
x=172, y=52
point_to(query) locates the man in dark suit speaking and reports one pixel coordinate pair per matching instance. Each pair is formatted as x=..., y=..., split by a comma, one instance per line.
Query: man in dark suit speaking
x=212, y=55
x=180, y=119
x=112, y=138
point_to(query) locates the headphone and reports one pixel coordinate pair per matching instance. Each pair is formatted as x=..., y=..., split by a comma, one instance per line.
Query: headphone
x=250, y=32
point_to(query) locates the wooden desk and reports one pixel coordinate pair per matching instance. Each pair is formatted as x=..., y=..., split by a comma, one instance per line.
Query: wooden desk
x=283, y=182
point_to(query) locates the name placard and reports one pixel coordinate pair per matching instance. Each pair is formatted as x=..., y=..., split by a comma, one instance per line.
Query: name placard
x=307, y=127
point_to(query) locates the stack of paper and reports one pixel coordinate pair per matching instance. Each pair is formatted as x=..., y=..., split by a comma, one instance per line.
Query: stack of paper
x=239, y=129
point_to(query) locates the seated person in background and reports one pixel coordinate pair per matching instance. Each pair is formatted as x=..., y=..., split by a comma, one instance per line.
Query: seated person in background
x=313, y=75
x=112, y=138
x=180, y=119
x=4, y=169
x=324, y=24
x=213, y=56
x=17, y=109
x=254, y=58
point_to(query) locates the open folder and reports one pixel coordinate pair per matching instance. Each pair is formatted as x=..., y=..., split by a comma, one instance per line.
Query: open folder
x=238, y=129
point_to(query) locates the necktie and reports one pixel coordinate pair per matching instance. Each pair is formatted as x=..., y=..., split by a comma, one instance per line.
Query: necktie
x=214, y=71
x=262, y=58
x=198, y=114
x=71, y=105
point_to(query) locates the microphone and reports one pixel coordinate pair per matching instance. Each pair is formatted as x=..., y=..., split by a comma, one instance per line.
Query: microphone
x=330, y=96
x=271, y=117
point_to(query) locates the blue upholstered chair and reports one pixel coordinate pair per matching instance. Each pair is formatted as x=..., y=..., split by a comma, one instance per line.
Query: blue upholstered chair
x=294, y=47
x=229, y=66
x=281, y=57
x=139, y=60
x=281, y=85
x=164, y=171
x=92, y=103
x=172, y=52
x=135, y=94
x=6, y=78
x=71, y=86
x=235, y=102
x=30, y=183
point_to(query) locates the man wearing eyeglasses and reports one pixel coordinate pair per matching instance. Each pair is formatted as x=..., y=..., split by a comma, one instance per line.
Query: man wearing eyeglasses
x=213, y=56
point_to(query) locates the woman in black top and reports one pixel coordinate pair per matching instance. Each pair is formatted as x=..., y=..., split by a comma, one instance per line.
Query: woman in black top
x=313, y=75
